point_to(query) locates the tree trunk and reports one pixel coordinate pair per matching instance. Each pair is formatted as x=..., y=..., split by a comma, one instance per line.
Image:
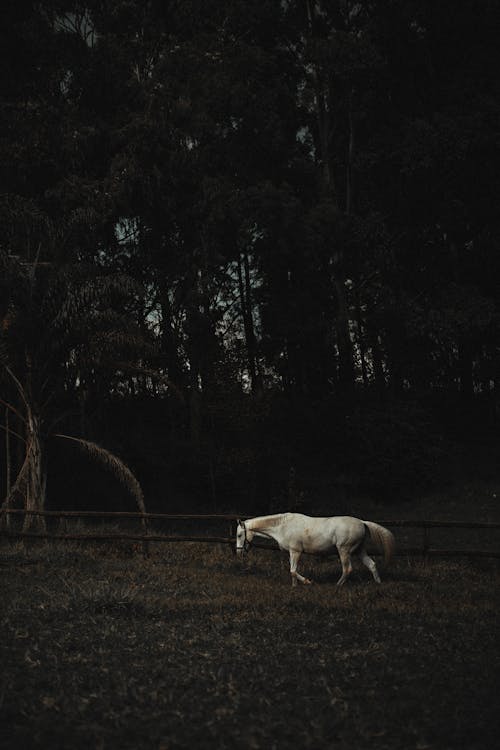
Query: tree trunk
x=350, y=159
x=168, y=339
x=5, y=519
x=36, y=479
x=31, y=479
x=245, y=292
x=361, y=340
x=396, y=346
x=378, y=366
x=325, y=130
x=322, y=114
x=465, y=368
x=195, y=412
x=344, y=343
x=7, y=460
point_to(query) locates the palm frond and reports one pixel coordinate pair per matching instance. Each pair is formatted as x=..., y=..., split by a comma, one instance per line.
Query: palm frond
x=82, y=299
x=114, y=464
x=130, y=341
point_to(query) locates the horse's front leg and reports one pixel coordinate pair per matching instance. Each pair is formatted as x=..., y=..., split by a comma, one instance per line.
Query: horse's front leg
x=294, y=561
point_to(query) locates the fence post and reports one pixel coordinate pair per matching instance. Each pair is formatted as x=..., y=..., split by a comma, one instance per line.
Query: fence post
x=426, y=542
x=145, y=544
x=232, y=532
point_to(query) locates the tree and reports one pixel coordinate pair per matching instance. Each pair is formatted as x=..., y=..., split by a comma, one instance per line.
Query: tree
x=62, y=329
x=296, y=201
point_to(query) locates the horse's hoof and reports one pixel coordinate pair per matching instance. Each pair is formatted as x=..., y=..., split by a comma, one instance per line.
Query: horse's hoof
x=308, y=582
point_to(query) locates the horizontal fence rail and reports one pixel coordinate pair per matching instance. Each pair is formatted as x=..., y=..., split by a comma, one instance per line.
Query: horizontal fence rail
x=120, y=514
x=415, y=523
x=424, y=525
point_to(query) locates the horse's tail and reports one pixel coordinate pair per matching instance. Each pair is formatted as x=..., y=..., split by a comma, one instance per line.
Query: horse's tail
x=382, y=538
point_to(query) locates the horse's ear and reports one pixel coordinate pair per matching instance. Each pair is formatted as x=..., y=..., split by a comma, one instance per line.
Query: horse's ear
x=238, y=522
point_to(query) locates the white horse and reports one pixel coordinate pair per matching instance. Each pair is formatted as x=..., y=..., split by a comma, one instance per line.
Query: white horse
x=298, y=533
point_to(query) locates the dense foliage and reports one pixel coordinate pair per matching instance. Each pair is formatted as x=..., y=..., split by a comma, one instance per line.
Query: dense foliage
x=247, y=245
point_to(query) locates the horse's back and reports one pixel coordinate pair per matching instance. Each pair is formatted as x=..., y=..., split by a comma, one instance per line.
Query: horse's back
x=346, y=529
x=340, y=525
x=319, y=534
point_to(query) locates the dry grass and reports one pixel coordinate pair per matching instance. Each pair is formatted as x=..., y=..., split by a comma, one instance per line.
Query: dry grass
x=191, y=648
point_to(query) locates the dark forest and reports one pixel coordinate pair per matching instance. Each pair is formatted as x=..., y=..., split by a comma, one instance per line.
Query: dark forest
x=249, y=257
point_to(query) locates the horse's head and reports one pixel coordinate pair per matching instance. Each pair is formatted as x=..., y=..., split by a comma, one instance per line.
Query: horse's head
x=244, y=538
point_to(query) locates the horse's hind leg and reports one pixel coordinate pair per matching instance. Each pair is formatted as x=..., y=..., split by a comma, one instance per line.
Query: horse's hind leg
x=345, y=559
x=370, y=564
x=294, y=561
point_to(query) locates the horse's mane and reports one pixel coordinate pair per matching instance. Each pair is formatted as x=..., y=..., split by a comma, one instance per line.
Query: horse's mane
x=266, y=522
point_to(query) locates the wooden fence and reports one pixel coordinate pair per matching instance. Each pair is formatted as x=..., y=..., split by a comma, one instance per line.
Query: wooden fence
x=229, y=521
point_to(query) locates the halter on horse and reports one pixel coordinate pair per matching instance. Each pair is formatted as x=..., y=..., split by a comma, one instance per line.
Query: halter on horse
x=298, y=533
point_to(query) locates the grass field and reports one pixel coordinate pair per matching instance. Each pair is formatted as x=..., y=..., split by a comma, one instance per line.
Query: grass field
x=190, y=648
